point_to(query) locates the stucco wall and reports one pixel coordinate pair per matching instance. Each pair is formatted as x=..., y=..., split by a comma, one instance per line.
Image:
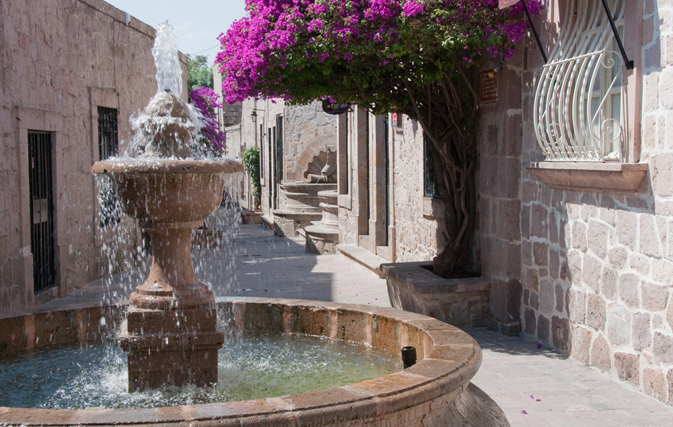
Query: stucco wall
x=60, y=60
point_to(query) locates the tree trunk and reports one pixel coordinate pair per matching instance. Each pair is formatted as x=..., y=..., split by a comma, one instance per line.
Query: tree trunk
x=447, y=112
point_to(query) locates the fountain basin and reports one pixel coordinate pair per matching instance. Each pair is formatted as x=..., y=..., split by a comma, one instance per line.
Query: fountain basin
x=168, y=190
x=436, y=391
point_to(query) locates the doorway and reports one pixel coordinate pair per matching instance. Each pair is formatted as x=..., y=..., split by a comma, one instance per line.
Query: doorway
x=41, y=210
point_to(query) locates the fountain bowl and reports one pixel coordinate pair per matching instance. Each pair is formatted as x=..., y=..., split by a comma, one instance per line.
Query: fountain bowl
x=160, y=190
x=435, y=392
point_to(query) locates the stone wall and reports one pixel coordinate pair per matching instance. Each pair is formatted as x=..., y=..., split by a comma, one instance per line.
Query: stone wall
x=499, y=202
x=352, y=165
x=241, y=135
x=597, y=267
x=60, y=60
x=417, y=224
x=415, y=221
x=308, y=131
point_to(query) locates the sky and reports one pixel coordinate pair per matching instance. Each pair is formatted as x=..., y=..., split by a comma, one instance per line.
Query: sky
x=196, y=23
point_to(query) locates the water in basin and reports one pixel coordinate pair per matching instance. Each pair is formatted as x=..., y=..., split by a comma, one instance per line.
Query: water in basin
x=250, y=367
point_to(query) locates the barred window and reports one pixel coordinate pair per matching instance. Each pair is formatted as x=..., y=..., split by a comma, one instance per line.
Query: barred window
x=578, y=110
x=429, y=175
x=108, y=146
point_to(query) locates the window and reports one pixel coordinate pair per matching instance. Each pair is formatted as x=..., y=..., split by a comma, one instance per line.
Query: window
x=261, y=152
x=108, y=146
x=429, y=175
x=578, y=110
x=42, y=231
x=108, y=142
x=278, y=140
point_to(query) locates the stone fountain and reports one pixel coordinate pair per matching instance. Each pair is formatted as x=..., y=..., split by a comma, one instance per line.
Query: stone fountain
x=171, y=333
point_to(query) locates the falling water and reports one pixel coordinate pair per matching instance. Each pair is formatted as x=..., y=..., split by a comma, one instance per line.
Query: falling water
x=166, y=120
x=96, y=375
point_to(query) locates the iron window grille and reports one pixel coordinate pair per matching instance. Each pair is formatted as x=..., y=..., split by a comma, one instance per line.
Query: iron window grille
x=108, y=146
x=429, y=176
x=41, y=210
x=578, y=114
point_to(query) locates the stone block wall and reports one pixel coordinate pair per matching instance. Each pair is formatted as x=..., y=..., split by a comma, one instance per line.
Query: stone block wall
x=60, y=61
x=499, y=202
x=353, y=170
x=418, y=219
x=597, y=267
x=416, y=224
x=240, y=136
x=308, y=131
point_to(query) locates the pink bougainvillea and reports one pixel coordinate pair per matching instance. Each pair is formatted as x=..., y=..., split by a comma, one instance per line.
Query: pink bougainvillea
x=211, y=137
x=281, y=45
x=413, y=8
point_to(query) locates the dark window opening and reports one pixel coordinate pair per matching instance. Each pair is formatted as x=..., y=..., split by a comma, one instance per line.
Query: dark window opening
x=261, y=152
x=279, y=147
x=430, y=187
x=108, y=146
x=41, y=210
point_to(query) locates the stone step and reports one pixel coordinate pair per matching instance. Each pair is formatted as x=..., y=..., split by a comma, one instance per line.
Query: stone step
x=267, y=222
x=363, y=257
x=321, y=240
x=251, y=217
x=322, y=231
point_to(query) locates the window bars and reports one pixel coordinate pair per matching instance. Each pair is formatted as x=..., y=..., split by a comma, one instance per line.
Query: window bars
x=578, y=114
x=108, y=146
x=108, y=140
x=429, y=176
x=41, y=210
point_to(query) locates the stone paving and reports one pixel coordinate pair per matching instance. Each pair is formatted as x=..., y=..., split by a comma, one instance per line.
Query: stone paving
x=534, y=386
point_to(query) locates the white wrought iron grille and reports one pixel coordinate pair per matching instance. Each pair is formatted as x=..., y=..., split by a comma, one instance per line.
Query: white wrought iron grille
x=578, y=114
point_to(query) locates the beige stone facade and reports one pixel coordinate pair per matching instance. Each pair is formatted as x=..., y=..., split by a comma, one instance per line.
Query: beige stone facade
x=289, y=137
x=388, y=216
x=597, y=266
x=579, y=255
x=61, y=61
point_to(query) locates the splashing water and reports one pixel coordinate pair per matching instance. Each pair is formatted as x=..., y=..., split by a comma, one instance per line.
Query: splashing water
x=251, y=367
x=168, y=127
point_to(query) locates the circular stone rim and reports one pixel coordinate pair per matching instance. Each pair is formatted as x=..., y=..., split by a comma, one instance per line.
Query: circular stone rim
x=451, y=359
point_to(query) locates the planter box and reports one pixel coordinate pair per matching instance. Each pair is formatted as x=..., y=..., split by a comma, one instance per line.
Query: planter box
x=460, y=302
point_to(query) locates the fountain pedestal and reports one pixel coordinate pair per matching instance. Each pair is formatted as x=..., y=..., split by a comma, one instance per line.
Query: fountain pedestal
x=171, y=332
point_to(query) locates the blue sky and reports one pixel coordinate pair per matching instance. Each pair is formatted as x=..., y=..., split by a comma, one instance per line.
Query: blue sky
x=197, y=23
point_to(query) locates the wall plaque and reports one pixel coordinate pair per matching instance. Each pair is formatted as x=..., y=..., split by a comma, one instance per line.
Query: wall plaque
x=488, y=86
